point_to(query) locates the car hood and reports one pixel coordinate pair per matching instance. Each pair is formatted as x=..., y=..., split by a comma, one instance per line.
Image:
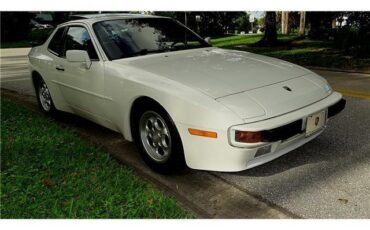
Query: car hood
x=217, y=72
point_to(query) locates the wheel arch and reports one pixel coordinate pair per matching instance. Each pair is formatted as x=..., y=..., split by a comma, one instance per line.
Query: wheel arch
x=35, y=77
x=136, y=107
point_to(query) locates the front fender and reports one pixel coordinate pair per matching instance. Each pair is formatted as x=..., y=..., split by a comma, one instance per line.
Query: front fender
x=185, y=105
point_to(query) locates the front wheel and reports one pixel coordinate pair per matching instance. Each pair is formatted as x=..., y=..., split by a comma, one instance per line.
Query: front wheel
x=158, y=141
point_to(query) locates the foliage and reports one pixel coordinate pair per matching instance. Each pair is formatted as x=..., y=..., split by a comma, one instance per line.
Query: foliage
x=40, y=35
x=242, y=23
x=300, y=51
x=320, y=23
x=352, y=37
x=15, y=25
x=211, y=24
x=15, y=44
x=48, y=172
x=355, y=37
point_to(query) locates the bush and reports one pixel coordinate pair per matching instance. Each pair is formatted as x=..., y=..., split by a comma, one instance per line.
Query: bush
x=353, y=40
x=14, y=26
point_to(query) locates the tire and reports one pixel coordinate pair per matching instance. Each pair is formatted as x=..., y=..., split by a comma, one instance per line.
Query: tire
x=158, y=140
x=43, y=96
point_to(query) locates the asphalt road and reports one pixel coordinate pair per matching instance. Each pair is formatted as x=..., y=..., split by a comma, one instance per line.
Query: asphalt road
x=326, y=178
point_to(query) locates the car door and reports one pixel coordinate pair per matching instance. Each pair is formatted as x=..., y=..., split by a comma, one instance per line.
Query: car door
x=81, y=87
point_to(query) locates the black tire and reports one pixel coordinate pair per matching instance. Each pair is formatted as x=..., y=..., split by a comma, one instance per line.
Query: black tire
x=175, y=161
x=40, y=85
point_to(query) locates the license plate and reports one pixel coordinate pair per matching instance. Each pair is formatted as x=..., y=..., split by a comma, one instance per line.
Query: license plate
x=315, y=122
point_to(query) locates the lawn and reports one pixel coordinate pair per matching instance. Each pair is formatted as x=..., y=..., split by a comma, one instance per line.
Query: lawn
x=15, y=44
x=48, y=172
x=294, y=49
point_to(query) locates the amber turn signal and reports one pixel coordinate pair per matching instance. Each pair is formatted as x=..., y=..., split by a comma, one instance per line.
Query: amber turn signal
x=202, y=133
x=248, y=137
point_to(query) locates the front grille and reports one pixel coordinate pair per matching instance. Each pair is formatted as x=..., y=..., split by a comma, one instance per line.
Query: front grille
x=282, y=133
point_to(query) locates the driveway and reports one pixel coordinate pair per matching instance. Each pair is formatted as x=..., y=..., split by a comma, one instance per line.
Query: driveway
x=326, y=178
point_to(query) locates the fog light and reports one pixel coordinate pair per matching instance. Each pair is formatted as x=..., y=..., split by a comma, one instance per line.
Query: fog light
x=263, y=150
x=248, y=137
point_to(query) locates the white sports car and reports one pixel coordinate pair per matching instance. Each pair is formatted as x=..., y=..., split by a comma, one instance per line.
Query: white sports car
x=181, y=100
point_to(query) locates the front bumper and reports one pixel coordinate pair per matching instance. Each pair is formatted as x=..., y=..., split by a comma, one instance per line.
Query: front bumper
x=221, y=154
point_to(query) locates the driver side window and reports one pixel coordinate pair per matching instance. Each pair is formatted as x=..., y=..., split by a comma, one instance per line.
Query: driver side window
x=78, y=38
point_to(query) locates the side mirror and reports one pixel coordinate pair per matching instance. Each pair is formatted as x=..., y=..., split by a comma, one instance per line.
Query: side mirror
x=208, y=40
x=79, y=56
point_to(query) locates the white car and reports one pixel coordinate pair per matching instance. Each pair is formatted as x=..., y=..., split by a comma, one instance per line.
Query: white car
x=181, y=100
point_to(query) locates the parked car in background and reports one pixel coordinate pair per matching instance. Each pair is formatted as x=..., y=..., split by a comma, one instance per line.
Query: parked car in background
x=42, y=21
x=181, y=100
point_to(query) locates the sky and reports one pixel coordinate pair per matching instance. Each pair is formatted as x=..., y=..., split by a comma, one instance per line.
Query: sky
x=257, y=14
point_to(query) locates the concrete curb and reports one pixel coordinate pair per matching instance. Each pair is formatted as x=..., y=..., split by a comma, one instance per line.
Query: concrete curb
x=14, y=52
x=360, y=71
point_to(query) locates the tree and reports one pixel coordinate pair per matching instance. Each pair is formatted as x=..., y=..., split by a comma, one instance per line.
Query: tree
x=270, y=36
x=15, y=25
x=319, y=23
x=211, y=24
x=242, y=23
x=284, y=22
x=302, y=23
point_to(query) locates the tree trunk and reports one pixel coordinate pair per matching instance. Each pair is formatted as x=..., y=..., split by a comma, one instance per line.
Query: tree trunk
x=270, y=36
x=302, y=23
x=284, y=22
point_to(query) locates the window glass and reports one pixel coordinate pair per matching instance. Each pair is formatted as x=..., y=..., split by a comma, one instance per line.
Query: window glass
x=132, y=37
x=56, y=43
x=78, y=38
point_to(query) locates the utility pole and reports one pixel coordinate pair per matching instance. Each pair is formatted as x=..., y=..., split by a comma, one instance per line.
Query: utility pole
x=185, y=19
x=251, y=20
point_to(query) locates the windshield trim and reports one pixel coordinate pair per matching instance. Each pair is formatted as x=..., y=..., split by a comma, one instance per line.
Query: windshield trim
x=204, y=43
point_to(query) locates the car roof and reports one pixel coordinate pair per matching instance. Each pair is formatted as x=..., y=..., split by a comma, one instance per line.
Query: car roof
x=92, y=18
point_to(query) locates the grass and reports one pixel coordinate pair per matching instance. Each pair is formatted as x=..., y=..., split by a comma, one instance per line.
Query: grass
x=299, y=51
x=49, y=172
x=14, y=44
x=39, y=35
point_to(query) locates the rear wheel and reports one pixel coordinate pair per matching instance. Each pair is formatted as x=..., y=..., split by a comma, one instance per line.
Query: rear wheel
x=44, y=97
x=158, y=140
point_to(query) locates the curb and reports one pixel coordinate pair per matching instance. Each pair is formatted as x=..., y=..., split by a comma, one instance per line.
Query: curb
x=365, y=71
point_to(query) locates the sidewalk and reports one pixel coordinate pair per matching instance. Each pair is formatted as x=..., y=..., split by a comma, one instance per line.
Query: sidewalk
x=14, y=52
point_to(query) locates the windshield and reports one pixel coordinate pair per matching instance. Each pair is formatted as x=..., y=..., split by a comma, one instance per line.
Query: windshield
x=123, y=38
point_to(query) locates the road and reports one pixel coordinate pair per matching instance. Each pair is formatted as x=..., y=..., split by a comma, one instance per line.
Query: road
x=326, y=178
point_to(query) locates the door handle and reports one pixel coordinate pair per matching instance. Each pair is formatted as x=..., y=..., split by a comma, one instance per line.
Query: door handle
x=59, y=68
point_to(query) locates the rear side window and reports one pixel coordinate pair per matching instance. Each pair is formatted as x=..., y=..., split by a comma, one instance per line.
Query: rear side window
x=56, y=43
x=78, y=38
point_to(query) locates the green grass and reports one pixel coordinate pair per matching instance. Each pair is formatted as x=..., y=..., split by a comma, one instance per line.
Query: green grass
x=15, y=44
x=233, y=40
x=48, y=172
x=299, y=51
x=39, y=35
